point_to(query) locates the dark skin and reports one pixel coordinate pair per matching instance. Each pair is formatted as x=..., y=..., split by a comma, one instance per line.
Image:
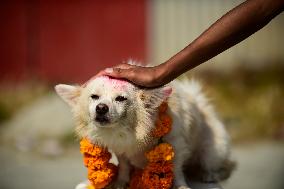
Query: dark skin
x=235, y=26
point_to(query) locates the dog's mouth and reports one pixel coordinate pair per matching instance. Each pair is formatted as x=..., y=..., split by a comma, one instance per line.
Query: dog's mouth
x=103, y=120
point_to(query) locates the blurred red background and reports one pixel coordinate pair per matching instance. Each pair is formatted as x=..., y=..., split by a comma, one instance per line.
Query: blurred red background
x=69, y=41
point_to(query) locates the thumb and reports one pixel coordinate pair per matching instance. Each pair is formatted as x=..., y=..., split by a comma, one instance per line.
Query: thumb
x=117, y=72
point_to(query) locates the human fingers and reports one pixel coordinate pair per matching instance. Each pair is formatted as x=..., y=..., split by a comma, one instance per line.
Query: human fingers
x=124, y=66
x=119, y=73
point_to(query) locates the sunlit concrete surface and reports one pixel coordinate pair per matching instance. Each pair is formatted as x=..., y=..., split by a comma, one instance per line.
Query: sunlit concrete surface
x=47, y=164
x=260, y=166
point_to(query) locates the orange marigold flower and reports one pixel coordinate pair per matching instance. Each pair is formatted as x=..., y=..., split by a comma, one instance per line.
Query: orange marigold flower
x=162, y=152
x=163, y=107
x=102, y=177
x=158, y=175
x=163, y=126
x=96, y=162
x=89, y=148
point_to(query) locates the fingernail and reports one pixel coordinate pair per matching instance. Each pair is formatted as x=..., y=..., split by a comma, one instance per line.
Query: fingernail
x=109, y=70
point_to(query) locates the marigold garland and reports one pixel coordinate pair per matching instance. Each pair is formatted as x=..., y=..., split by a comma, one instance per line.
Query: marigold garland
x=163, y=108
x=163, y=126
x=162, y=152
x=158, y=173
x=100, y=178
x=96, y=159
x=88, y=148
x=96, y=162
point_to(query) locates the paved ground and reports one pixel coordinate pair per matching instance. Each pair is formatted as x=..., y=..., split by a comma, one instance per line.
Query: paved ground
x=20, y=170
x=31, y=156
x=260, y=166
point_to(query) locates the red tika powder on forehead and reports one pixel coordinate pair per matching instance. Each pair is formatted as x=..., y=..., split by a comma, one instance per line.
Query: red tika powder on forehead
x=107, y=79
x=118, y=84
x=114, y=81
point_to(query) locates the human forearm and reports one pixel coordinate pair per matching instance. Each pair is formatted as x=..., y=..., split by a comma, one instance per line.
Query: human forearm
x=229, y=30
x=233, y=27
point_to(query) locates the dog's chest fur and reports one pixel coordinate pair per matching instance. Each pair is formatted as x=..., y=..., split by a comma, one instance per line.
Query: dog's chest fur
x=123, y=142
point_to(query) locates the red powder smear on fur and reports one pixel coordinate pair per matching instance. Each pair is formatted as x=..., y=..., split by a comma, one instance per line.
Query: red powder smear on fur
x=116, y=83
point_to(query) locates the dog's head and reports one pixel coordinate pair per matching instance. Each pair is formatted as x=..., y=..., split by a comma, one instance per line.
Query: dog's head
x=106, y=103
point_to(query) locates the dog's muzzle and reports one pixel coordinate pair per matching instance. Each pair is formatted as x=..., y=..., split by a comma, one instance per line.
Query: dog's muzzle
x=102, y=120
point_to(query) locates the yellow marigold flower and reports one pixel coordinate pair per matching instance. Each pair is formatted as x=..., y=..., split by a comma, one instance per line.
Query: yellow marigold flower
x=162, y=152
x=102, y=177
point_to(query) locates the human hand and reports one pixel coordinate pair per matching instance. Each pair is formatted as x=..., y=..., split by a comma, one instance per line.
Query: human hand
x=142, y=76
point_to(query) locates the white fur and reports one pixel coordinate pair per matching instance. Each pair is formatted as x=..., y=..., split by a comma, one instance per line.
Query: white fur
x=198, y=137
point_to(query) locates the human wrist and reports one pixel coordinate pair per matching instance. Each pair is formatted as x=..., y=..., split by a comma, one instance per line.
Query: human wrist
x=167, y=72
x=161, y=74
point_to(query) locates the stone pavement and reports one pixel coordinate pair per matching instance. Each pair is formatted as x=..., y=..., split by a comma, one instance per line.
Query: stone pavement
x=32, y=157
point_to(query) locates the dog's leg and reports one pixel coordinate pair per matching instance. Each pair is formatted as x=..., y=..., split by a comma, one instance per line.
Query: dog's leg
x=216, y=166
x=179, y=179
x=215, y=157
x=123, y=173
x=182, y=153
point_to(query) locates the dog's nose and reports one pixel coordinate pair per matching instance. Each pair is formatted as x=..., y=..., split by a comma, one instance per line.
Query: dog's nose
x=101, y=109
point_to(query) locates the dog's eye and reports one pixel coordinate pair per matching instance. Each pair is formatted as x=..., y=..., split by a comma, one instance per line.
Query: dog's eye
x=95, y=97
x=120, y=98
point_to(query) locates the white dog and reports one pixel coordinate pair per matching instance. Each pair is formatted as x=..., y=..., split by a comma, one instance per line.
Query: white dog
x=119, y=115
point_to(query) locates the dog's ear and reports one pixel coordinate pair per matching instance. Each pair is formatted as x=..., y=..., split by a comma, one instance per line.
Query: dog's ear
x=153, y=98
x=68, y=93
